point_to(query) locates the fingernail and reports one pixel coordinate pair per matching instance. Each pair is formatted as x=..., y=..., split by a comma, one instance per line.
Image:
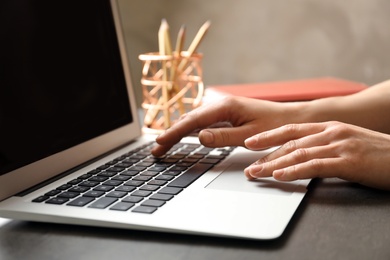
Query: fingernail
x=251, y=141
x=207, y=137
x=248, y=176
x=163, y=133
x=278, y=174
x=253, y=170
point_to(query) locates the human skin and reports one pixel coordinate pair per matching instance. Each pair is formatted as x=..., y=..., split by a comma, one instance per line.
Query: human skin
x=345, y=137
x=329, y=149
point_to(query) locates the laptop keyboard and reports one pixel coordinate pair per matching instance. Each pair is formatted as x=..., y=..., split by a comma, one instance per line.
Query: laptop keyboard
x=137, y=180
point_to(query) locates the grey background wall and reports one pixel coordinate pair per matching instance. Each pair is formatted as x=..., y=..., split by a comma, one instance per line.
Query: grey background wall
x=270, y=40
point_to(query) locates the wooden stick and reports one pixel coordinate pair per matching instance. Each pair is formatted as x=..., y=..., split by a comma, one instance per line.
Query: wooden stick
x=179, y=47
x=195, y=44
x=162, y=43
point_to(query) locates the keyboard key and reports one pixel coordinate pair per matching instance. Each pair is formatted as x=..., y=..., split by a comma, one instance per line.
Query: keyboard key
x=191, y=175
x=178, y=156
x=124, y=164
x=64, y=187
x=125, y=188
x=163, y=164
x=141, y=193
x=190, y=160
x=81, y=201
x=85, y=176
x=104, y=188
x=144, y=209
x=144, y=164
x=113, y=162
x=134, y=183
x=205, y=150
x=115, y=169
x=209, y=160
x=121, y=178
x=137, y=168
x=93, y=193
x=170, y=160
x=138, y=156
x=95, y=171
x=157, y=169
x=159, y=196
x=142, y=178
x=103, y=167
x=98, y=178
x=170, y=190
x=171, y=172
x=150, y=187
x=164, y=177
x=52, y=193
x=89, y=183
x=68, y=194
x=75, y=181
x=131, y=161
x=116, y=194
x=153, y=203
x=40, y=199
x=157, y=182
x=132, y=199
x=103, y=203
x=129, y=173
x=196, y=156
x=178, y=168
x=122, y=206
x=220, y=157
x=57, y=201
x=107, y=174
x=113, y=183
x=184, y=164
x=79, y=189
x=149, y=173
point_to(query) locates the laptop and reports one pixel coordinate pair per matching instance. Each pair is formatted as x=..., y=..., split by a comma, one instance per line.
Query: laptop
x=71, y=146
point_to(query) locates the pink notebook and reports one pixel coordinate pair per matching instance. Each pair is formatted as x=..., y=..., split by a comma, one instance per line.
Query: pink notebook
x=294, y=90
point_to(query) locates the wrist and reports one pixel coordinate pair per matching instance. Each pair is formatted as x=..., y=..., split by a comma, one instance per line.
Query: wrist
x=318, y=110
x=297, y=112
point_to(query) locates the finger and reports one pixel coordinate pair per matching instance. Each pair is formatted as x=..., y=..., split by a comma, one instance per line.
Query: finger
x=160, y=150
x=212, y=137
x=265, y=168
x=314, y=140
x=317, y=168
x=199, y=118
x=281, y=135
x=227, y=136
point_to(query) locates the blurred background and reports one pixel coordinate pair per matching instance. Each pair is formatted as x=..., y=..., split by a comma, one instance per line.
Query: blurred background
x=269, y=40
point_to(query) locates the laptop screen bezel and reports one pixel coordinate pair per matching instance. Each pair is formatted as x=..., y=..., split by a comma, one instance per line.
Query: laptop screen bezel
x=25, y=177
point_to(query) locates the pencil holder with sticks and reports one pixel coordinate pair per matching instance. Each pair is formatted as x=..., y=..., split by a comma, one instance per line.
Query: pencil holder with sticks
x=172, y=86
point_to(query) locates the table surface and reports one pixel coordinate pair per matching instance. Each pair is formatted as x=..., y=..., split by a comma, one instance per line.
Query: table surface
x=336, y=220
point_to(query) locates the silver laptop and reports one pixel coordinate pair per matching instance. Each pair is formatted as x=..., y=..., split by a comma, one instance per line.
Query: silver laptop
x=71, y=147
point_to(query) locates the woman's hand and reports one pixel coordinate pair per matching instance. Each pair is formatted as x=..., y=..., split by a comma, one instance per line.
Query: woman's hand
x=244, y=116
x=330, y=149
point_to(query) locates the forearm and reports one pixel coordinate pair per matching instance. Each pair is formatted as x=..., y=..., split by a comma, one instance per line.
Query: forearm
x=369, y=108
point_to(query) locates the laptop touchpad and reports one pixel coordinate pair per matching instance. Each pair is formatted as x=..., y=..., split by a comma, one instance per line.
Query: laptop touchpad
x=233, y=179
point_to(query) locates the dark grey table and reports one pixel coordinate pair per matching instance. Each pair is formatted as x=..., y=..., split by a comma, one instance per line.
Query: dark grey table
x=336, y=220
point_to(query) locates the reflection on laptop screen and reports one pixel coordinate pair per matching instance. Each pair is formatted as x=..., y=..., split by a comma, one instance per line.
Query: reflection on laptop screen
x=61, y=79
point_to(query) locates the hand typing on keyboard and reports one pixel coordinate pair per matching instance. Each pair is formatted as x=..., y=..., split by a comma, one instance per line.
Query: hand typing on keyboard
x=345, y=137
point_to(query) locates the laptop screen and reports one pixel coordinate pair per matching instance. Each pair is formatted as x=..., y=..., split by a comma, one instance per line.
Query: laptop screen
x=61, y=78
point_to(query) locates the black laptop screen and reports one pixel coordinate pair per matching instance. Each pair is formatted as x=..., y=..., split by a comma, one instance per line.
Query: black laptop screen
x=61, y=77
